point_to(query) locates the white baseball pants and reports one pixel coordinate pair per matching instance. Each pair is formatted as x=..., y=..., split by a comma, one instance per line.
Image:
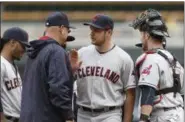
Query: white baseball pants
x=110, y=116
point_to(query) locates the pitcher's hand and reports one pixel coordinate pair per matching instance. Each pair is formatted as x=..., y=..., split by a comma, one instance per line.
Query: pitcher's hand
x=74, y=60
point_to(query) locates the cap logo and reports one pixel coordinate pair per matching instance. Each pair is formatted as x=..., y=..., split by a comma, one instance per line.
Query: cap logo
x=107, y=27
x=95, y=18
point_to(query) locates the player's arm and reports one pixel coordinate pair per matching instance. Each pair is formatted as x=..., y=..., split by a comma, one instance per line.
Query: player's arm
x=129, y=105
x=148, y=81
x=2, y=118
x=129, y=83
x=1, y=113
x=147, y=100
x=60, y=84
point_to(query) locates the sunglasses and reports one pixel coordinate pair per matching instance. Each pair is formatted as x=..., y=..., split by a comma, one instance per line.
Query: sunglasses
x=66, y=28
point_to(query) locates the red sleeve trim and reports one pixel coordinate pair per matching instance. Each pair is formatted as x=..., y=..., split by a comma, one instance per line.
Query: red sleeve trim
x=156, y=102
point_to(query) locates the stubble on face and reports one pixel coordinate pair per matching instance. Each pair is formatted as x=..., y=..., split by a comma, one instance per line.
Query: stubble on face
x=98, y=39
x=144, y=42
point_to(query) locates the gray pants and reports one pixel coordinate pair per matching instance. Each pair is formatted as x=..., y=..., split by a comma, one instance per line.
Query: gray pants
x=174, y=115
x=110, y=116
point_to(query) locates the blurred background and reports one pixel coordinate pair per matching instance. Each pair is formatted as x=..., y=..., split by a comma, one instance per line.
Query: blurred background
x=31, y=16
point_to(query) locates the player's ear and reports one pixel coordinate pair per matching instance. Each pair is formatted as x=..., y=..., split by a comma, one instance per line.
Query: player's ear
x=60, y=29
x=109, y=31
x=146, y=35
x=12, y=42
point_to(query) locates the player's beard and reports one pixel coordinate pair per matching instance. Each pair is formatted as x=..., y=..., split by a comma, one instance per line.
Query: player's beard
x=145, y=47
x=98, y=42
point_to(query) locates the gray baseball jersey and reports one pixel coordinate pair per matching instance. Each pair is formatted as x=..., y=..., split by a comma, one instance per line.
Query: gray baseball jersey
x=103, y=78
x=11, y=87
x=157, y=73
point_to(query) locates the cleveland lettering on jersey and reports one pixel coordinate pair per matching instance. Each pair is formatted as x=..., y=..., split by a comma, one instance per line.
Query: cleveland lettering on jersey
x=12, y=84
x=99, y=72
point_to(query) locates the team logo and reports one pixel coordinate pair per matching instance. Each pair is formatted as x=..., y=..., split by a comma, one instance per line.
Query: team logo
x=95, y=18
x=98, y=72
x=147, y=70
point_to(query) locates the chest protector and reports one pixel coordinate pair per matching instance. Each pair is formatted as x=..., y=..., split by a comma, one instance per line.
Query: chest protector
x=176, y=77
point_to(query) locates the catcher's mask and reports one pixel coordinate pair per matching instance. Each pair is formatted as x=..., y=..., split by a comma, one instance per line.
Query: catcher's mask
x=153, y=22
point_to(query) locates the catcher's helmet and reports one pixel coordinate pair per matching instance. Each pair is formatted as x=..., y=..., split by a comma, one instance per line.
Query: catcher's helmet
x=151, y=22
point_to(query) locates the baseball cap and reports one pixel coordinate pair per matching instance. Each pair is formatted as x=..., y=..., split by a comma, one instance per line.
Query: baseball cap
x=101, y=21
x=17, y=34
x=58, y=19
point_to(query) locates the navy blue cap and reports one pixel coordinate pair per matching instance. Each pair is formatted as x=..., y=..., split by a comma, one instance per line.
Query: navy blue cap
x=58, y=19
x=17, y=34
x=102, y=22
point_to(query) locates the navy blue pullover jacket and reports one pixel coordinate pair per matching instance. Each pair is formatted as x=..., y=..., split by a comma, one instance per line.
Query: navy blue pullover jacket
x=47, y=83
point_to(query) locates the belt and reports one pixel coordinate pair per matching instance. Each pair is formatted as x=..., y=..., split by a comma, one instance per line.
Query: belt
x=170, y=108
x=105, y=109
x=11, y=118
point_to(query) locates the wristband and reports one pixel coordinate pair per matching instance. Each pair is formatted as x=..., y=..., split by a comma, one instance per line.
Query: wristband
x=144, y=117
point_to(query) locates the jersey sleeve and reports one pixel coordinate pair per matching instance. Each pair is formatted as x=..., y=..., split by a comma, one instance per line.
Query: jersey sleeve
x=128, y=74
x=2, y=72
x=149, y=72
x=2, y=80
x=180, y=70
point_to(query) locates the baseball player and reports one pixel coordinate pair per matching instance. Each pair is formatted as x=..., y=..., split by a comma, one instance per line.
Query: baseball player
x=136, y=112
x=160, y=75
x=48, y=79
x=104, y=80
x=13, y=45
